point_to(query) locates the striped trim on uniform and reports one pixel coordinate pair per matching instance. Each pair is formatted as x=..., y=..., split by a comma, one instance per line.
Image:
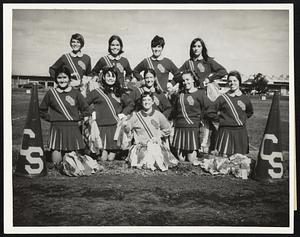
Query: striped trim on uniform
x=109, y=103
x=141, y=90
x=150, y=64
x=73, y=66
x=143, y=122
x=108, y=63
x=191, y=64
x=181, y=100
x=61, y=104
x=233, y=109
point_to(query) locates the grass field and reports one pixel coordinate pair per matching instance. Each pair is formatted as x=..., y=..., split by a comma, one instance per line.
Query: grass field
x=182, y=196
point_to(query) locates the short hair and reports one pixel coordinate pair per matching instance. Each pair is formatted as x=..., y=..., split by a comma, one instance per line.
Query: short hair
x=78, y=37
x=193, y=74
x=204, y=49
x=147, y=93
x=152, y=71
x=236, y=74
x=64, y=69
x=118, y=38
x=157, y=40
x=113, y=70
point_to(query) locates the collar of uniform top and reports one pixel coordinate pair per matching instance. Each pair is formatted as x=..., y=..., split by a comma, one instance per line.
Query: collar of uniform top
x=198, y=58
x=147, y=114
x=152, y=89
x=235, y=93
x=114, y=58
x=79, y=54
x=158, y=58
x=68, y=89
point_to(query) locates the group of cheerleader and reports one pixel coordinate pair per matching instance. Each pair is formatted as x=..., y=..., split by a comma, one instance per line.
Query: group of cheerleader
x=168, y=119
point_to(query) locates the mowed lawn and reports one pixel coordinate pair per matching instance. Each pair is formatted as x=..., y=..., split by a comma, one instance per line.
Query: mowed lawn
x=256, y=124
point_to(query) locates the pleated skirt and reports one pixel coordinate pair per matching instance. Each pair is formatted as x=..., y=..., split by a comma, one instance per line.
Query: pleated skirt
x=65, y=136
x=232, y=140
x=186, y=139
x=107, y=136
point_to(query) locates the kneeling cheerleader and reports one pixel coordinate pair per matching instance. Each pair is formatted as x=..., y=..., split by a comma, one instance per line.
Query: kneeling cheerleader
x=150, y=129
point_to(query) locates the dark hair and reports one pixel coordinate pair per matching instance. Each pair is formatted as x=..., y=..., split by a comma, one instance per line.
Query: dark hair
x=157, y=40
x=115, y=88
x=111, y=39
x=195, y=77
x=236, y=74
x=62, y=69
x=147, y=93
x=204, y=49
x=139, y=104
x=78, y=37
x=152, y=71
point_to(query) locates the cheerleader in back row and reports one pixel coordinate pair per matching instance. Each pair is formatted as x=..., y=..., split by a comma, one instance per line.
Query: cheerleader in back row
x=161, y=103
x=231, y=110
x=111, y=104
x=161, y=65
x=151, y=129
x=189, y=108
x=207, y=70
x=78, y=63
x=114, y=58
x=64, y=107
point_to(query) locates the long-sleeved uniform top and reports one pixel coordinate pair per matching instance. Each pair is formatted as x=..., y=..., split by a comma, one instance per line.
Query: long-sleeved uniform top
x=204, y=69
x=161, y=103
x=190, y=108
x=79, y=64
x=108, y=106
x=156, y=122
x=121, y=63
x=162, y=67
x=65, y=105
x=231, y=111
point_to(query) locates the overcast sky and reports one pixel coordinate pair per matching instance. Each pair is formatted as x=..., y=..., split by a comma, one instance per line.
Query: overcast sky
x=250, y=41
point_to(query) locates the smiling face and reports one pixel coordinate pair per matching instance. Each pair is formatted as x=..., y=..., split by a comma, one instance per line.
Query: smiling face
x=197, y=49
x=156, y=51
x=233, y=83
x=149, y=79
x=115, y=47
x=188, y=81
x=62, y=80
x=110, y=78
x=147, y=103
x=75, y=45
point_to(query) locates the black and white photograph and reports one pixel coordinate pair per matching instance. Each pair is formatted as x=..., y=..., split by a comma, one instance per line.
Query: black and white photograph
x=149, y=118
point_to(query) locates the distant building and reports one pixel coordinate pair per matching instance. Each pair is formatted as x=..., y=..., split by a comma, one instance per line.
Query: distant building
x=21, y=80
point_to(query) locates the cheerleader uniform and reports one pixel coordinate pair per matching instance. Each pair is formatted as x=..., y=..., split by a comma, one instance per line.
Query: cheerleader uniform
x=65, y=106
x=234, y=109
x=79, y=65
x=149, y=149
x=123, y=67
x=204, y=69
x=107, y=107
x=162, y=67
x=188, y=111
x=161, y=103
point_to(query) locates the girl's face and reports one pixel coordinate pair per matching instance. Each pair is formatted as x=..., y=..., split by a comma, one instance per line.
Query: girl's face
x=188, y=81
x=75, y=45
x=115, y=47
x=62, y=80
x=197, y=48
x=147, y=102
x=157, y=50
x=233, y=83
x=110, y=78
x=149, y=79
